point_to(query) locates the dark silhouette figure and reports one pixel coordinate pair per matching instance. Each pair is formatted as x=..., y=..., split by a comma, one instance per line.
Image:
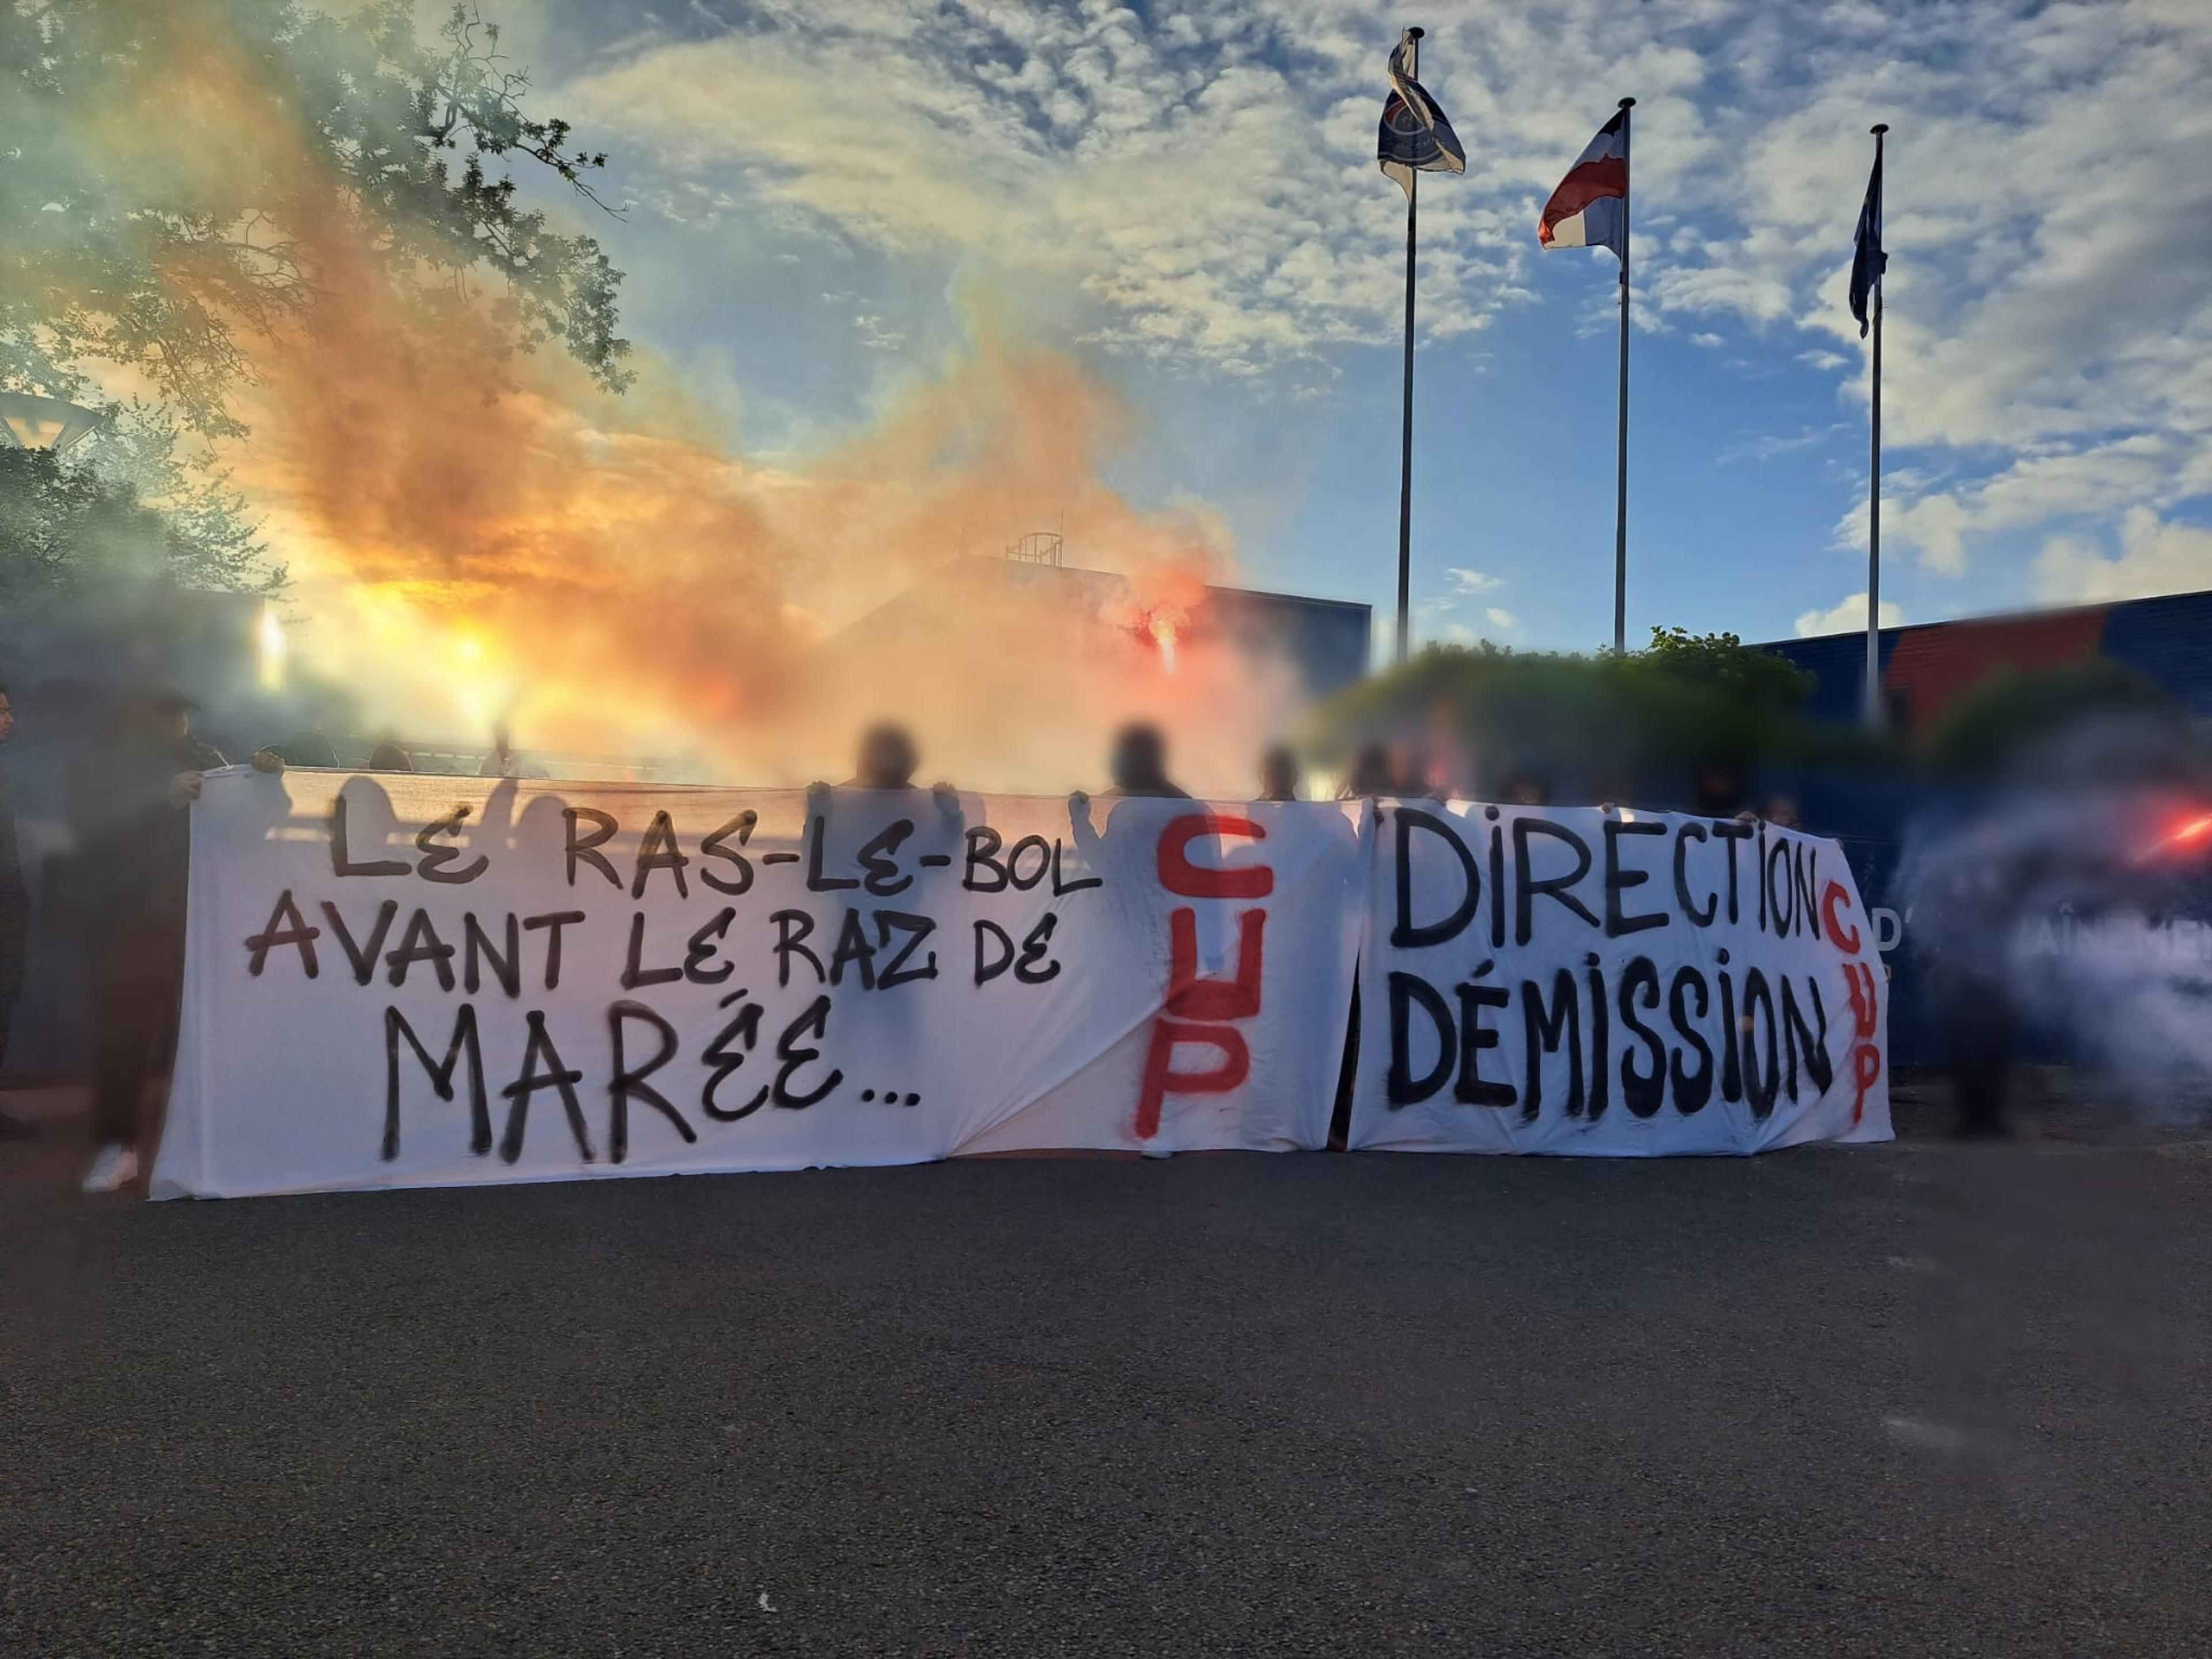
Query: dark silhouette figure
x=1409, y=770
x=887, y=759
x=1974, y=905
x=127, y=801
x=1717, y=792
x=1371, y=773
x=1526, y=789
x=311, y=749
x=1140, y=766
x=14, y=910
x=1278, y=774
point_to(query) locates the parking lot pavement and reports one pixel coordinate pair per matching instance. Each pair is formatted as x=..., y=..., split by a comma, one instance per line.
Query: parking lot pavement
x=1891, y=1399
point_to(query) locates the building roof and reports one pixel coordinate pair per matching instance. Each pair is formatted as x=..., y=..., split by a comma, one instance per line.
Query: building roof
x=1326, y=641
x=1928, y=666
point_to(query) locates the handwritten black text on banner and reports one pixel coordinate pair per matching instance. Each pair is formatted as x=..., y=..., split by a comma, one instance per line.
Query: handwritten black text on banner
x=1613, y=982
x=419, y=979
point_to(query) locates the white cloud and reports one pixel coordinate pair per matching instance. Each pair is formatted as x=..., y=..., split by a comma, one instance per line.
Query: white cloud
x=1850, y=616
x=1470, y=582
x=874, y=335
x=2044, y=337
x=1207, y=191
x=1766, y=446
x=1503, y=621
x=1941, y=522
x=2154, y=556
x=1199, y=186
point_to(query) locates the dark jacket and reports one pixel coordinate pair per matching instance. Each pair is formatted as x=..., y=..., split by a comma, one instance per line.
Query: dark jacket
x=15, y=895
x=133, y=847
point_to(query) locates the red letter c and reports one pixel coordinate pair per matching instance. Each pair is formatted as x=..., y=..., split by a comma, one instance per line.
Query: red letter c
x=1179, y=875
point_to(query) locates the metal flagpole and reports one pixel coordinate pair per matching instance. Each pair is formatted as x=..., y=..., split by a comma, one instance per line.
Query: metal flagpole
x=1406, y=439
x=1874, y=712
x=1620, y=463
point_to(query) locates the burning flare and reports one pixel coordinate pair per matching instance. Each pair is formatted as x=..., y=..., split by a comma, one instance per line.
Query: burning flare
x=476, y=536
x=2191, y=832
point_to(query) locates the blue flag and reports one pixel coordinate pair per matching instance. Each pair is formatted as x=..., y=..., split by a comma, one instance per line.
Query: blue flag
x=1868, y=263
x=1415, y=136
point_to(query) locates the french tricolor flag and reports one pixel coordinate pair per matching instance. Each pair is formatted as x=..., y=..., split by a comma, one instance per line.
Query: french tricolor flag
x=1586, y=210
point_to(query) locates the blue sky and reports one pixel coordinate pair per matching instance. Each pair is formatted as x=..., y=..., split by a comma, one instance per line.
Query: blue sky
x=822, y=197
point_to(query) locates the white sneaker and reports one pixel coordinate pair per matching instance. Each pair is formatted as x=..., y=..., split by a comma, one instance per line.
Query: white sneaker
x=113, y=1167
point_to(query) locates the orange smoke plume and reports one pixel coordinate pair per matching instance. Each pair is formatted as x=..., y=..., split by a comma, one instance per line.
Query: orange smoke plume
x=477, y=536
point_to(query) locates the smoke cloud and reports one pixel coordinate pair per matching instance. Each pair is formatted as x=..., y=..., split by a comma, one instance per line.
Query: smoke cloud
x=479, y=537
x=2077, y=898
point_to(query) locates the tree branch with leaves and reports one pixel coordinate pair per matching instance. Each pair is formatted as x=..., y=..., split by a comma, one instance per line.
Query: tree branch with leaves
x=157, y=161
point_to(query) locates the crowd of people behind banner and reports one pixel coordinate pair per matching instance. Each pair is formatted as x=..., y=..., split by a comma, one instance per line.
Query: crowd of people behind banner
x=127, y=797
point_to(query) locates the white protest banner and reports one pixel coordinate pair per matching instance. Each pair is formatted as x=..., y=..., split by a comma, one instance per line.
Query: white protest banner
x=411, y=979
x=1614, y=983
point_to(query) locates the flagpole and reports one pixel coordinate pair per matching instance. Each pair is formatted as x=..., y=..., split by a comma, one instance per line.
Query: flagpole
x=1406, y=436
x=1620, y=462
x=1874, y=712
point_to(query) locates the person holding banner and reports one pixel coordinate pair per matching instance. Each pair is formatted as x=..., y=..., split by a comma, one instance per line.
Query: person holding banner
x=1278, y=774
x=1370, y=775
x=1140, y=766
x=127, y=802
x=887, y=762
x=887, y=759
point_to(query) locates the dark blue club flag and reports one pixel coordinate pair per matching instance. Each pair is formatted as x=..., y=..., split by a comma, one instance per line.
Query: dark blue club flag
x=1415, y=136
x=1868, y=263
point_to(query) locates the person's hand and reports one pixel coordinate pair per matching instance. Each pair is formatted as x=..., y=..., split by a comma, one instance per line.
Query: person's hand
x=1079, y=799
x=184, y=789
x=947, y=798
x=269, y=761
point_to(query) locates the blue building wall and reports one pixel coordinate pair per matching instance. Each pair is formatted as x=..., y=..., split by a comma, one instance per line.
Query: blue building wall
x=2167, y=638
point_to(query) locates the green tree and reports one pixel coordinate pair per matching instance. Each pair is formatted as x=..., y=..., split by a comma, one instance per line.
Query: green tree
x=1723, y=663
x=2021, y=719
x=125, y=242
x=70, y=530
x=1638, y=726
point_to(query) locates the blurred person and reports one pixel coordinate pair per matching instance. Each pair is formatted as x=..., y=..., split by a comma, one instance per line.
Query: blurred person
x=309, y=748
x=888, y=758
x=1139, y=765
x=127, y=801
x=1782, y=813
x=389, y=757
x=1971, y=907
x=1411, y=773
x=1526, y=789
x=1278, y=774
x=1718, y=791
x=1369, y=774
x=14, y=911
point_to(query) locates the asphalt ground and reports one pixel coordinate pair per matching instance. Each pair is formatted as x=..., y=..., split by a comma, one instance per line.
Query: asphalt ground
x=1902, y=1400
